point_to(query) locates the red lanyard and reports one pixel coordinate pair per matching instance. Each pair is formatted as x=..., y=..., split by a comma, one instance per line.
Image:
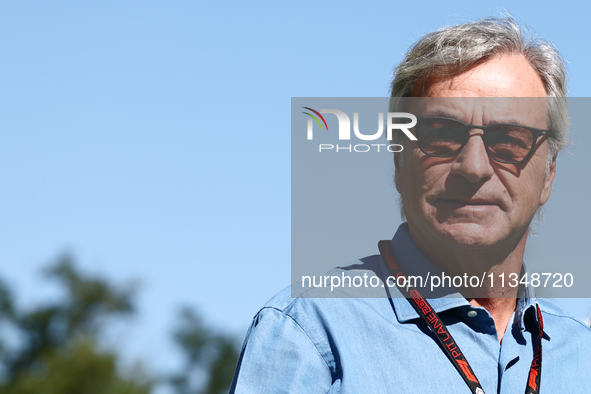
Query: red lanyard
x=447, y=342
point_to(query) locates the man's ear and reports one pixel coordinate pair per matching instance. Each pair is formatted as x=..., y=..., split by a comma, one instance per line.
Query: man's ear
x=397, y=167
x=548, y=183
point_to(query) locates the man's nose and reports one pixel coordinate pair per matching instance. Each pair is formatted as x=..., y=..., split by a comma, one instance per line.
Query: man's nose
x=473, y=162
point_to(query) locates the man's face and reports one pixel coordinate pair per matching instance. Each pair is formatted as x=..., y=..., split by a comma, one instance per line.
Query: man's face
x=471, y=201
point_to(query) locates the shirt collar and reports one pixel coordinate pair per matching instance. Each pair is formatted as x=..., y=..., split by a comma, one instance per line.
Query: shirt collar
x=415, y=263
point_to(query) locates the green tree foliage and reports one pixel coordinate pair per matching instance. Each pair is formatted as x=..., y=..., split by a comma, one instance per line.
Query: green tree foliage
x=78, y=368
x=59, y=352
x=58, y=345
x=210, y=359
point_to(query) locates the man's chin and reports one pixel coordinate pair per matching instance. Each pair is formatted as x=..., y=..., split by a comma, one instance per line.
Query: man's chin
x=469, y=235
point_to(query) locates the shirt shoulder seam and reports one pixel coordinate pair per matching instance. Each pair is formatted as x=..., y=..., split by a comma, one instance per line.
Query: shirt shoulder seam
x=568, y=317
x=282, y=311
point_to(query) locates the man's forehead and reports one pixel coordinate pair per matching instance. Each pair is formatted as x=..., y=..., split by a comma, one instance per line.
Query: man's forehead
x=503, y=75
x=504, y=88
x=517, y=110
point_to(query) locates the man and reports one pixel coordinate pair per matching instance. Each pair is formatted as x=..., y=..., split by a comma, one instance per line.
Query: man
x=470, y=186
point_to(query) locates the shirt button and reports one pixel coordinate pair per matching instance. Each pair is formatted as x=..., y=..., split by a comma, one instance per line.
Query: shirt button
x=472, y=314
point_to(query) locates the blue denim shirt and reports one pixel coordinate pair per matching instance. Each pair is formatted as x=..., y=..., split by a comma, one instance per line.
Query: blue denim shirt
x=381, y=345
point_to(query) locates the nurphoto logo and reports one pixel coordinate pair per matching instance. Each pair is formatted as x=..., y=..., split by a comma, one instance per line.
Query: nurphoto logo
x=344, y=132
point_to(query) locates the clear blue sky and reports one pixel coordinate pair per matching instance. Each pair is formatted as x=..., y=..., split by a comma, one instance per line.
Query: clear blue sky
x=151, y=139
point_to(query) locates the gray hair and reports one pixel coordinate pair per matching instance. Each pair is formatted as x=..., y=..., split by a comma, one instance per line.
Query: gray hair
x=453, y=50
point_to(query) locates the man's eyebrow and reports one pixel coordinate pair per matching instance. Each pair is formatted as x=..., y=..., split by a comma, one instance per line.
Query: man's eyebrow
x=510, y=121
x=442, y=114
x=449, y=115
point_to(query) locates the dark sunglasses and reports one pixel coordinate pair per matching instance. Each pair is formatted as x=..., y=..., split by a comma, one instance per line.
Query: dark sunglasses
x=505, y=143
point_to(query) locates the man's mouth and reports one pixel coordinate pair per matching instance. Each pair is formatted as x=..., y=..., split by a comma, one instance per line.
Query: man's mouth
x=469, y=202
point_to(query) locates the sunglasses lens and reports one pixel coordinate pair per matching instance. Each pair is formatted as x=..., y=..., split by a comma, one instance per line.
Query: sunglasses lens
x=441, y=137
x=508, y=143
